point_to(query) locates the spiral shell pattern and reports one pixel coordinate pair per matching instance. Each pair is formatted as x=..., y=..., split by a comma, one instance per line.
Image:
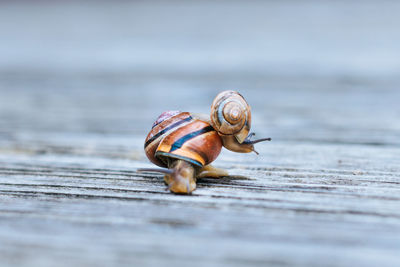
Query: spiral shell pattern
x=231, y=115
x=178, y=135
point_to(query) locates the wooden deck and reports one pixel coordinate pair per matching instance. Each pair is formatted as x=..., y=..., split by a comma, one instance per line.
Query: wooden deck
x=324, y=192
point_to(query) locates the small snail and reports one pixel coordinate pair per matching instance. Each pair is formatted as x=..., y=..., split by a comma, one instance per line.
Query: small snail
x=184, y=144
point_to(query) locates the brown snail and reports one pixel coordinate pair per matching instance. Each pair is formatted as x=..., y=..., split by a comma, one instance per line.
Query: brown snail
x=184, y=144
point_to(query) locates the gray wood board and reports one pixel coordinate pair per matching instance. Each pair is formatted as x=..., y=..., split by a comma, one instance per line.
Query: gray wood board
x=88, y=210
x=74, y=115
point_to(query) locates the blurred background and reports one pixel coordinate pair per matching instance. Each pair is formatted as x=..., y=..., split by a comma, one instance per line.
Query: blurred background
x=325, y=71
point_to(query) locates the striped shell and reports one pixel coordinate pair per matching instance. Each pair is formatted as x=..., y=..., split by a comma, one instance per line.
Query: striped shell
x=231, y=115
x=177, y=135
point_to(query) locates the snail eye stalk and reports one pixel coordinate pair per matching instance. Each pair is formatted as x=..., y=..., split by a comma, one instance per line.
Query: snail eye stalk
x=257, y=141
x=250, y=142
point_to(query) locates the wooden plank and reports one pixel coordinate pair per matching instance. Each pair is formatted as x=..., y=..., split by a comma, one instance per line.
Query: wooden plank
x=73, y=118
x=280, y=215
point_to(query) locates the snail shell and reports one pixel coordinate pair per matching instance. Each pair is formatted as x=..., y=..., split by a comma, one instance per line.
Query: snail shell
x=179, y=135
x=231, y=115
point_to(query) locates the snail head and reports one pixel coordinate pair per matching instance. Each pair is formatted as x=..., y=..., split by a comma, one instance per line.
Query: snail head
x=180, y=178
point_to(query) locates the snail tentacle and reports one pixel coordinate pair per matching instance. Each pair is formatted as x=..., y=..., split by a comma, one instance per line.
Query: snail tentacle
x=256, y=141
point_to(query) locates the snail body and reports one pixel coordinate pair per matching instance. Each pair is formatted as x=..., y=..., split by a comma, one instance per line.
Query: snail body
x=184, y=144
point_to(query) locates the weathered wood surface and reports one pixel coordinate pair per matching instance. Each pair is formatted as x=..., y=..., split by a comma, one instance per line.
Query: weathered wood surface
x=73, y=116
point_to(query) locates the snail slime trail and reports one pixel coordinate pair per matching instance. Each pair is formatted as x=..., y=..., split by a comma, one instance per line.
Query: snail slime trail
x=184, y=144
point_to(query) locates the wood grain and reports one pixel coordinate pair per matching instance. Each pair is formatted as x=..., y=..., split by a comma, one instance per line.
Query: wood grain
x=55, y=206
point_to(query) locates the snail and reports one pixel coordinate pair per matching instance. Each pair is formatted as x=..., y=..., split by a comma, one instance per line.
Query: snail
x=184, y=144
